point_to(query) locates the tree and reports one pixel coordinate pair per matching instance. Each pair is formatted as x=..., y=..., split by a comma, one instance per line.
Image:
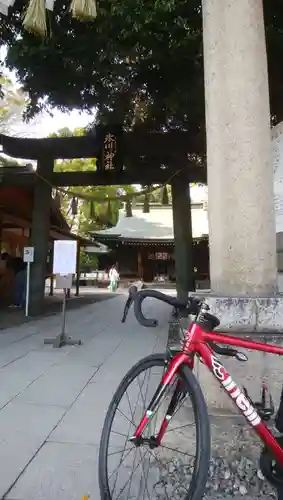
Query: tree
x=134, y=59
x=12, y=105
x=139, y=60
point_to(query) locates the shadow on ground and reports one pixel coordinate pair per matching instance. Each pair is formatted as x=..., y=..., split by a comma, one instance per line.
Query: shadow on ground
x=52, y=305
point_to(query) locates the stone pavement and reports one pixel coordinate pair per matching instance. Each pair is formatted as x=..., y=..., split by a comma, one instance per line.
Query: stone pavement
x=53, y=402
x=10, y=317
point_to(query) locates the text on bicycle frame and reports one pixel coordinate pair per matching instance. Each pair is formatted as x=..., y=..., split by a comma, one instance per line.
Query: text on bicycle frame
x=234, y=392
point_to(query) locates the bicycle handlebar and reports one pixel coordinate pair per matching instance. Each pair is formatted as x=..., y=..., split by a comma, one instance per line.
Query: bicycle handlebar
x=131, y=297
x=191, y=306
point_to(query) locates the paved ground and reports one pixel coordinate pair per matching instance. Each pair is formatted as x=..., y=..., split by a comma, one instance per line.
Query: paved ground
x=53, y=402
x=10, y=317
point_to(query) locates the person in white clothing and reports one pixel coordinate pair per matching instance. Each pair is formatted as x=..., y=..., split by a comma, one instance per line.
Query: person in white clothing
x=114, y=278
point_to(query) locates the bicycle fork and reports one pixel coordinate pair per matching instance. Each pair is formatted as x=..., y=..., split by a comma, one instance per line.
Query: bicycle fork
x=161, y=391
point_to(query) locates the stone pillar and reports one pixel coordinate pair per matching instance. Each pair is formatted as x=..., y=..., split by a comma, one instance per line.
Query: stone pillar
x=183, y=237
x=40, y=233
x=240, y=180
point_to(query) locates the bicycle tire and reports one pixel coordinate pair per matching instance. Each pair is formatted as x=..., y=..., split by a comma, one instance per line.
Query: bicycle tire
x=200, y=475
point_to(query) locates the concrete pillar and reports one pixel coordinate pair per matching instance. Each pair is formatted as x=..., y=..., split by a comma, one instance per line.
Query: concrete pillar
x=240, y=181
x=40, y=234
x=182, y=236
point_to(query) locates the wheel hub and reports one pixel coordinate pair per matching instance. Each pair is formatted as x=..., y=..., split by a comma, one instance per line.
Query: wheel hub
x=151, y=442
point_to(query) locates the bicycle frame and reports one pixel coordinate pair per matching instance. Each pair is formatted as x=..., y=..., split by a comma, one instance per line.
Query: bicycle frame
x=196, y=343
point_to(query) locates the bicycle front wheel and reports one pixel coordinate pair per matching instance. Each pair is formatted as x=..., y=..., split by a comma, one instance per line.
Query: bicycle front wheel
x=178, y=466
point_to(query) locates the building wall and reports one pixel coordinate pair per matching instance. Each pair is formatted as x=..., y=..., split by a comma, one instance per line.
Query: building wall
x=126, y=257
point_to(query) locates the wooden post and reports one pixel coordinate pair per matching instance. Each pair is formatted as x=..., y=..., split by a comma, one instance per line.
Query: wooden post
x=51, y=291
x=183, y=236
x=140, y=266
x=0, y=233
x=40, y=229
x=78, y=269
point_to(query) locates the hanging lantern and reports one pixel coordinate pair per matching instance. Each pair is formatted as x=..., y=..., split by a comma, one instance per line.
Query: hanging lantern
x=129, y=212
x=165, y=198
x=109, y=211
x=35, y=18
x=58, y=199
x=146, y=204
x=84, y=10
x=74, y=206
x=91, y=210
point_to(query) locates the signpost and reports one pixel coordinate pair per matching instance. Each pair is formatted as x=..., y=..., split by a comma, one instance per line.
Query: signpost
x=64, y=266
x=28, y=258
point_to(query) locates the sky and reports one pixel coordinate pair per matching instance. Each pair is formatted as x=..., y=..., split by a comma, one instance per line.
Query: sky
x=44, y=124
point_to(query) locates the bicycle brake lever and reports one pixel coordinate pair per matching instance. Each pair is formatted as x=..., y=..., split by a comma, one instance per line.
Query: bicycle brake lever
x=240, y=356
x=228, y=351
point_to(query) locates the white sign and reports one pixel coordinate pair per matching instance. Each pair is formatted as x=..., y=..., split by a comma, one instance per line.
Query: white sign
x=28, y=254
x=277, y=164
x=65, y=256
x=64, y=281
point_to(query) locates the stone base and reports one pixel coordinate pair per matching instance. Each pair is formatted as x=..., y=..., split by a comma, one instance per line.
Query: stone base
x=247, y=315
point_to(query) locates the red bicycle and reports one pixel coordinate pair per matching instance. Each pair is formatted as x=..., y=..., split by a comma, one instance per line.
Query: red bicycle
x=134, y=452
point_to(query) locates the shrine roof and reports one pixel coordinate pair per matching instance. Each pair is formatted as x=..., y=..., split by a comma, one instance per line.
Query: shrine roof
x=155, y=225
x=16, y=207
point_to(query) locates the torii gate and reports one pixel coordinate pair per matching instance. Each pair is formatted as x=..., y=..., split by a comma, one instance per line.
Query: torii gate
x=240, y=183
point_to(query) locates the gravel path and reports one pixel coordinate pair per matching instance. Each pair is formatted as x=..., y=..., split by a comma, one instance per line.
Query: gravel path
x=229, y=497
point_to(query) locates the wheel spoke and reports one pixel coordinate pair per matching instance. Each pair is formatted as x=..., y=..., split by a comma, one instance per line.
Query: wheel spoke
x=161, y=464
x=120, y=463
x=118, y=409
x=176, y=451
x=178, y=428
x=134, y=470
x=142, y=472
x=120, y=451
x=120, y=434
x=145, y=477
x=130, y=484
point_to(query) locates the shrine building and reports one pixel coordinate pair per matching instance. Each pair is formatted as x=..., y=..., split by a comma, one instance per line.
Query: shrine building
x=143, y=245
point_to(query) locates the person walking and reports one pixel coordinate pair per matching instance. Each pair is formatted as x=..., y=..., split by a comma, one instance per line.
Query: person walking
x=19, y=267
x=114, y=278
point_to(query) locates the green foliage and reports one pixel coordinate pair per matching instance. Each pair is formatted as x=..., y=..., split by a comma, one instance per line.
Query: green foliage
x=139, y=61
x=88, y=261
x=7, y=162
x=13, y=102
x=136, y=54
x=105, y=212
